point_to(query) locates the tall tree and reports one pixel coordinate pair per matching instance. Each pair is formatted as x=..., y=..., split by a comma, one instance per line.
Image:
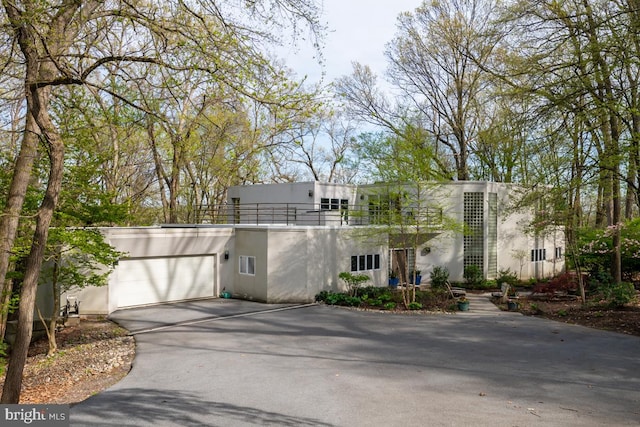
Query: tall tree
x=76, y=42
x=431, y=63
x=574, y=64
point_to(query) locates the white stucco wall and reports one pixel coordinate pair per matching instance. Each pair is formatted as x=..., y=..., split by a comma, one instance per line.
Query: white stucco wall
x=158, y=242
x=295, y=262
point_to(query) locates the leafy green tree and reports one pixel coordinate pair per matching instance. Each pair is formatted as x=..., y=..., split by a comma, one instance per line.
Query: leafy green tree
x=75, y=258
x=56, y=44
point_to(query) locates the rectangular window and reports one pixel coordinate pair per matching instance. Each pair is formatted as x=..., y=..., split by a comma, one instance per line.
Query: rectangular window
x=248, y=265
x=324, y=204
x=335, y=204
x=538, y=255
x=558, y=253
x=365, y=262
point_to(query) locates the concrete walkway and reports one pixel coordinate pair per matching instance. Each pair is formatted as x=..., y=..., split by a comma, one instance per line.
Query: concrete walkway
x=482, y=304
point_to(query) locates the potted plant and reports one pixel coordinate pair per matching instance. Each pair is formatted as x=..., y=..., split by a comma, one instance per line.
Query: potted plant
x=512, y=305
x=418, y=277
x=393, y=279
x=463, y=304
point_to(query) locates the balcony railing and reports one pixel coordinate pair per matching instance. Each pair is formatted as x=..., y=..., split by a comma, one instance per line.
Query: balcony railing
x=315, y=214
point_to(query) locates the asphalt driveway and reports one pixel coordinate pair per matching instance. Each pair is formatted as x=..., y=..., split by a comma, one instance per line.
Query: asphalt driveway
x=237, y=363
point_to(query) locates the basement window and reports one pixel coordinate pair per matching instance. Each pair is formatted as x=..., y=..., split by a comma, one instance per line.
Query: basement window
x=248, y=265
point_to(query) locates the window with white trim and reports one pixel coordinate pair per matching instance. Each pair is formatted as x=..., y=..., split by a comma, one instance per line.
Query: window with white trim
x=538, y=255
x=365, y=262
x=248, y=265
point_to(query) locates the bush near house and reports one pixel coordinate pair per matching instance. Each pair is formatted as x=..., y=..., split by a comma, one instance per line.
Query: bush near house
x=353, y=281
x=474, y=278
x=439, y=277
x=508, y=277
x=381, y=298
x=564, y=283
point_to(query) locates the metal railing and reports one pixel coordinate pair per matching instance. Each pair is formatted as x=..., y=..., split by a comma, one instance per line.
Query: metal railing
x=318, y=214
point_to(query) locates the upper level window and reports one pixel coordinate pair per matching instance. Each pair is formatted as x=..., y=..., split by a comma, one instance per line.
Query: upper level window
x=327, y=204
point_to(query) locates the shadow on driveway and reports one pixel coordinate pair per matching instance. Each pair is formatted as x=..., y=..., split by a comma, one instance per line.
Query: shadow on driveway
x=240, y=364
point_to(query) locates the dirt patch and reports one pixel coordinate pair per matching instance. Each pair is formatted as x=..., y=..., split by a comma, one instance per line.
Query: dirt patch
x=91, y=357
x=594, y=314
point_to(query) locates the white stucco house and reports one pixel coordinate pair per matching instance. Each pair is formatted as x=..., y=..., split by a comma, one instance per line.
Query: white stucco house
x=287, y=242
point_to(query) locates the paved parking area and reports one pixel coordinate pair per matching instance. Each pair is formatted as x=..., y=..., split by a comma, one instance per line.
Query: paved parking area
x=238, y=363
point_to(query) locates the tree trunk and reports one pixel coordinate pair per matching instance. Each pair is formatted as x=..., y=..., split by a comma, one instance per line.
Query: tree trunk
x=13, y=382
x=11, y=216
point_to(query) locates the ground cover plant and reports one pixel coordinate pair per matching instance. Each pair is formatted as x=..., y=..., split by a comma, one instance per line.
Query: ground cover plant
x=389, y=299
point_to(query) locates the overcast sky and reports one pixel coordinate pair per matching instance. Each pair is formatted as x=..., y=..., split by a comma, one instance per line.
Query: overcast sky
x=358, y=31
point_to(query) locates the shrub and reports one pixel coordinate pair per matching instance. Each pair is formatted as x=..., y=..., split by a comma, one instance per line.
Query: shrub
x=439, y=277
x=321, y=296
x=618, y=294
x=342, y=299
x=374, y=291
x=474, y=277
x=415, y=306
x=566, y=282
x=353, y=281
x=390, y=306
x=508, y=277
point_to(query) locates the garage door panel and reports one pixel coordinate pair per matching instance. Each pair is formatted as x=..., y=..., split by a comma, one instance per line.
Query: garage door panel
x=156, y=280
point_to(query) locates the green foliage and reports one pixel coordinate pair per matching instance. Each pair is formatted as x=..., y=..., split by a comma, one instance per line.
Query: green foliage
x=353, y=281
x=375, y=292
x=386, y=299
x=78, y=258
x=332, y=298
x=535, y=308
x=439, y=277
x=508, y=277
x=618, y=294
x=321, y=296
x=390, y=306
x=4, y=351
x=473, y=277
x=415, y=306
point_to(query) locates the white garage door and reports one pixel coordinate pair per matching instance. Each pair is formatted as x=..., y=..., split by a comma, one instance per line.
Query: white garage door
x=155, y=280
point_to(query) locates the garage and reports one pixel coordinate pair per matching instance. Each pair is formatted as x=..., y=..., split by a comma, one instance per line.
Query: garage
x=140, y=281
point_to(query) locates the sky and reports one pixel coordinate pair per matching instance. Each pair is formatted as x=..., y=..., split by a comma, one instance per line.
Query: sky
x=358, y=31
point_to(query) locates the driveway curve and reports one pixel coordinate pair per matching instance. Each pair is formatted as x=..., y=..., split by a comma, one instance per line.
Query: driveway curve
x=238, y=363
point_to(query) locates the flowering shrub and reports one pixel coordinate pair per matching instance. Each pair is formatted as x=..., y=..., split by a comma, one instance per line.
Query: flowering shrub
x=595, y=247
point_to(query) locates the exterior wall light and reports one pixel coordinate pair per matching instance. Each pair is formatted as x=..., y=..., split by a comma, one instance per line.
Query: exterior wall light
x=226, y=254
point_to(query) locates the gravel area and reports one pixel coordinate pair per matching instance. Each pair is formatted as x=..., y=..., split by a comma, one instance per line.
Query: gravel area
x=91, y=357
